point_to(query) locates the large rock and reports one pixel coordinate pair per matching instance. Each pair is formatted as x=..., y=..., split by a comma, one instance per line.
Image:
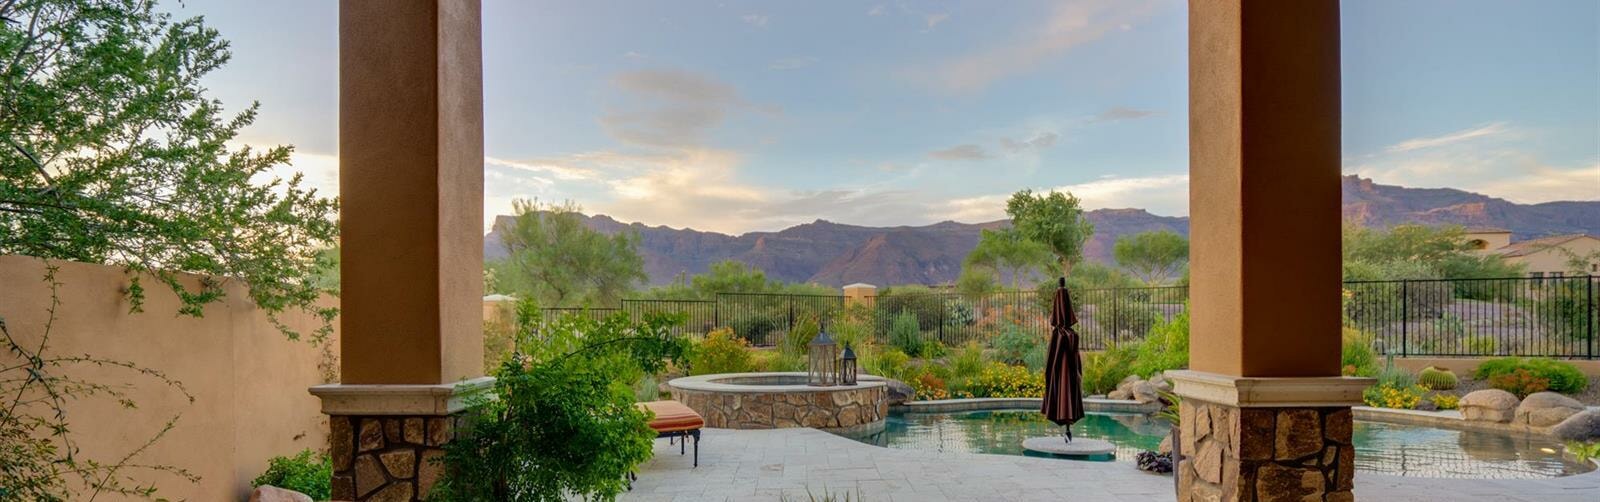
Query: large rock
x=269, y=493
x=1544, y=409
x=1127, y=382
x=1583, y=427
x=899, y=392
x=1488, y=405
x=1160, y=381
x=1144, y=392
x=1120, y=395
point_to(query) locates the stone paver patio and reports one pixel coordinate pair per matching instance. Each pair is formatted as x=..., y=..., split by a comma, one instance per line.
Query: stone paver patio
x=767, y=465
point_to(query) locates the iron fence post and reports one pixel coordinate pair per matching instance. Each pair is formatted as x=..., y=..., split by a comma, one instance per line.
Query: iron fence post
x=1405, y=315
x=1590, y=312
x=1116, y=321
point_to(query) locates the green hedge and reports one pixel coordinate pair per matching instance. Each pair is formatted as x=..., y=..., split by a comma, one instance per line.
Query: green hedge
x=1564, y=377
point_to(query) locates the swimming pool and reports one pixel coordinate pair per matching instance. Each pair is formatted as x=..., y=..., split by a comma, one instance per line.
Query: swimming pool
x=1403, y=450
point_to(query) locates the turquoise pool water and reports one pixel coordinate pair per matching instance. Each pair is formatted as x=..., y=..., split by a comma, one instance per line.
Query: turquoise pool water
x=1404, y=450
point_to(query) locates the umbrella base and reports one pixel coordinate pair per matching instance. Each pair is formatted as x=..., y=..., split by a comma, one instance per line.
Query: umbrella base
x=1077, y=448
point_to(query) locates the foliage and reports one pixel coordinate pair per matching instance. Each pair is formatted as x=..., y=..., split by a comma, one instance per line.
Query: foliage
x=805, y=329
x=1482, y=345
x=1562, y=376
x=1009, y=254
x=307, y=472
x=1005, y=380
x=731, y=276
x=1583, y=451
x=929, y=387
x=720, y=352
x=111, y=152
x=888, y=363
x=977, y=283
x=1090, y=275
x=564, y=422
x=1356, y=354
x=780, y=360
x=1053, y=219
x=1103, y=370
x=1153, y=256
x=1388, y=395
x=905, y=335
x=1013, y=344
x=967, y=361
x=1520, y=381
x=39, y=455
x=1443, y=251
x=1171, y=409
x=553, y=257
x=1166, y=347
x=1395, y=376
x=1445, y=401
x=1437, y=379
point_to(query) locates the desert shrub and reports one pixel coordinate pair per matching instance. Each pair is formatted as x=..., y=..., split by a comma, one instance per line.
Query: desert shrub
x=1520, y=382
x=1165, y=348
x=1005, y=380
x=306, y=472
x=778, y=360
x=1437, y=379
x=887, y=363
x=1103, y=370
x=1482, y=345
x=926, y=306
x=959, y=313
x=929, y=387
x=1389, y=395
x=967, y=361
x=1014, y=343
x=1395, y=376
x=758, y=326
x=1561, y=376
x=797, y=339
x=721, y=352
x=1129, y=315
x=1445, y=401
x=1356, y=354
x=905, y=335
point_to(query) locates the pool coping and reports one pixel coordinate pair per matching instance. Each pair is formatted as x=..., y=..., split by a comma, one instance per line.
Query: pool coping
x=1021, y=403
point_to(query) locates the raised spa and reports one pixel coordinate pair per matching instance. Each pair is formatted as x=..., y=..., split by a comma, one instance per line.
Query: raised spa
x=783, y=400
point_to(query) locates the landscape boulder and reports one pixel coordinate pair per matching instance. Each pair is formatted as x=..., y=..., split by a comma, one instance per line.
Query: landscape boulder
x=1127, y=383
x=899, y=392
x=1544, y=409
x=1160, y=381
x=1120, y=395
x=1144, y=392
x=269, y=493
x=1488, y=405
x=1583, y=427
x=1166, y=445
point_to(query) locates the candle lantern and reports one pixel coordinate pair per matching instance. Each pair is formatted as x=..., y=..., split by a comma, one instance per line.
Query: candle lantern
x=823, y=370
x=847, y=366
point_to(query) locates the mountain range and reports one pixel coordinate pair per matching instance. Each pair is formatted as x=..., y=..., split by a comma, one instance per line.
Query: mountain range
x=835, y=254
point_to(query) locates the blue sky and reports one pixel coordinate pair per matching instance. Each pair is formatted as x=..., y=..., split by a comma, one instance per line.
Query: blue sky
x=738, y=116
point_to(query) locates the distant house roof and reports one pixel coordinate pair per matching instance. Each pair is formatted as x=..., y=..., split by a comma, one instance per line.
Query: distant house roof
x=1527, y=247
x=1487, y=230
x=860, y=285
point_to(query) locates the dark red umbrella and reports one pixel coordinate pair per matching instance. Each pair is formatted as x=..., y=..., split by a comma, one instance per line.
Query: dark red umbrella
x=1063, y=371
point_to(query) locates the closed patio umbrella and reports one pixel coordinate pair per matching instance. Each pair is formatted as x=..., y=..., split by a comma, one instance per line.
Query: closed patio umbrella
x=1063, y=371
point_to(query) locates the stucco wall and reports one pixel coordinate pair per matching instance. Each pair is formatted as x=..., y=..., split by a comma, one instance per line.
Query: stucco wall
x=1553, y=260
x=248, y=381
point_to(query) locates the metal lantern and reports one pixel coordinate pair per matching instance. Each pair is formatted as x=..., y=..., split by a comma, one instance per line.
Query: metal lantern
x=847, y=366
x=824, y=354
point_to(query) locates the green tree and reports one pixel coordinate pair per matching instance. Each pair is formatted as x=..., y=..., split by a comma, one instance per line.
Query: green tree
x=1053, y=219
x=554, y=259
x=1009, y=254
x=1440, y=251
x=731, y=276
x=111, y=152
x=977, y=283
x=1153, y=256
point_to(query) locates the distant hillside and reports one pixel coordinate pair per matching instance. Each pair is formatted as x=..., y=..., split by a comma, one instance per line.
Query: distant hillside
x=836, y=254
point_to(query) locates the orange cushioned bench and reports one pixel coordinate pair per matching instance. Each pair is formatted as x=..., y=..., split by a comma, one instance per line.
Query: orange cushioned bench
x=673, y=420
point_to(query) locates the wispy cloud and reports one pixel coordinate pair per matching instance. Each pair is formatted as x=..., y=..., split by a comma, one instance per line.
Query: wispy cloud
x=1166, y=194
x=671, y=108
x=1072, y=24
x=935, y=19
x=960, y=152
x=877, y=10
x=791, y=63
x=1116, y=113
x=756, y=20
x=1036, y=143
x=1490, y=129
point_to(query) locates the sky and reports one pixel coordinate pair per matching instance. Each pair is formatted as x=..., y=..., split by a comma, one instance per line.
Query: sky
x=739, y=116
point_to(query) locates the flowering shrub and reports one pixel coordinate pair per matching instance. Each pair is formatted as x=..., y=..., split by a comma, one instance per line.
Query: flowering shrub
x=1559, y=376
x=1444, y=401
x=929, y=388
x=1520, y=382
x=721, y=352
x=1387, y=395
x=1004, y=380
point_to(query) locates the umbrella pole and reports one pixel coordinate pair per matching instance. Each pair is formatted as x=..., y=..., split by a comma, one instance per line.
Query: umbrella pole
x=1068, y=430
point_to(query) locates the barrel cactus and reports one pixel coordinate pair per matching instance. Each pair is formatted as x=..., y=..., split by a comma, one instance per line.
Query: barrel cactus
x=1437, y=379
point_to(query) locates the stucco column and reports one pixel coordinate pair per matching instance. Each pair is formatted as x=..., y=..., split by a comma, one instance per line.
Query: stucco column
x=411, y=189
x=1265, y=414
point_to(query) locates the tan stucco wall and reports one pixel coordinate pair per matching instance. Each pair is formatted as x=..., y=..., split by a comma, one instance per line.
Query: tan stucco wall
x=1553, y=260
x=248, y=381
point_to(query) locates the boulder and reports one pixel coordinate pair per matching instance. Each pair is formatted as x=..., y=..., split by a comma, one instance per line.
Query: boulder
x=1128, y=382
x=1583, y=427
x=1488, y=405
x=1161, y=382
x=1120, y=395
x=269, y=493
x=899, y=392
x=1144, y=392
x=1544, y=409
x=1166, y=445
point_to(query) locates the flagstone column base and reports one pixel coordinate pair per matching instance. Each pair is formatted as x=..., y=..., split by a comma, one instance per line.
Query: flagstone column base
x=1265, y=439
x=386, y=441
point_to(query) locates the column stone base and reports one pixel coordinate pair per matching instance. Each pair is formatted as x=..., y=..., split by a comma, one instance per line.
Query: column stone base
x=386, y=441
x=1241, y=440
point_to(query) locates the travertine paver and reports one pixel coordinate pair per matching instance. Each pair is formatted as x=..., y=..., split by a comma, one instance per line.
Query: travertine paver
x=769, y=464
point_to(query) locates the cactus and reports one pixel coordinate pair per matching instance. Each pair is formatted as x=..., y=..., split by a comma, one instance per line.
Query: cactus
x=1437, y=379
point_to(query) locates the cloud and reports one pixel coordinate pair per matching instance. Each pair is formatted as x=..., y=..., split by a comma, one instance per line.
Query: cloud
x=877, y=10
x=670, y=108
x=756, y=20
x=635, y=55
x=1071, y=25
x=1490, y=129
x=791, y=63
x=1166, y=194
x=960, y=152
x=1116, y=113
x=1038, y=142
x=933, y=20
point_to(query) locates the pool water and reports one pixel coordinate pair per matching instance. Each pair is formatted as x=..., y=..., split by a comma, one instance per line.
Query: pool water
x=1404, y=450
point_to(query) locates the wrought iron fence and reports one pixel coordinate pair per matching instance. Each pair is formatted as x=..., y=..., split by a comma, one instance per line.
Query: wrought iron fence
x=1547, y=317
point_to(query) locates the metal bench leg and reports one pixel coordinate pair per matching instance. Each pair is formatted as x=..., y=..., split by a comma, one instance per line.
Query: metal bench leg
x=682, y=444
x=696, y=433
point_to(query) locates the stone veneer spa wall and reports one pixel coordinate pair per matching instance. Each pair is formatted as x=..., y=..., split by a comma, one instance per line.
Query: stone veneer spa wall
x=782, y=400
